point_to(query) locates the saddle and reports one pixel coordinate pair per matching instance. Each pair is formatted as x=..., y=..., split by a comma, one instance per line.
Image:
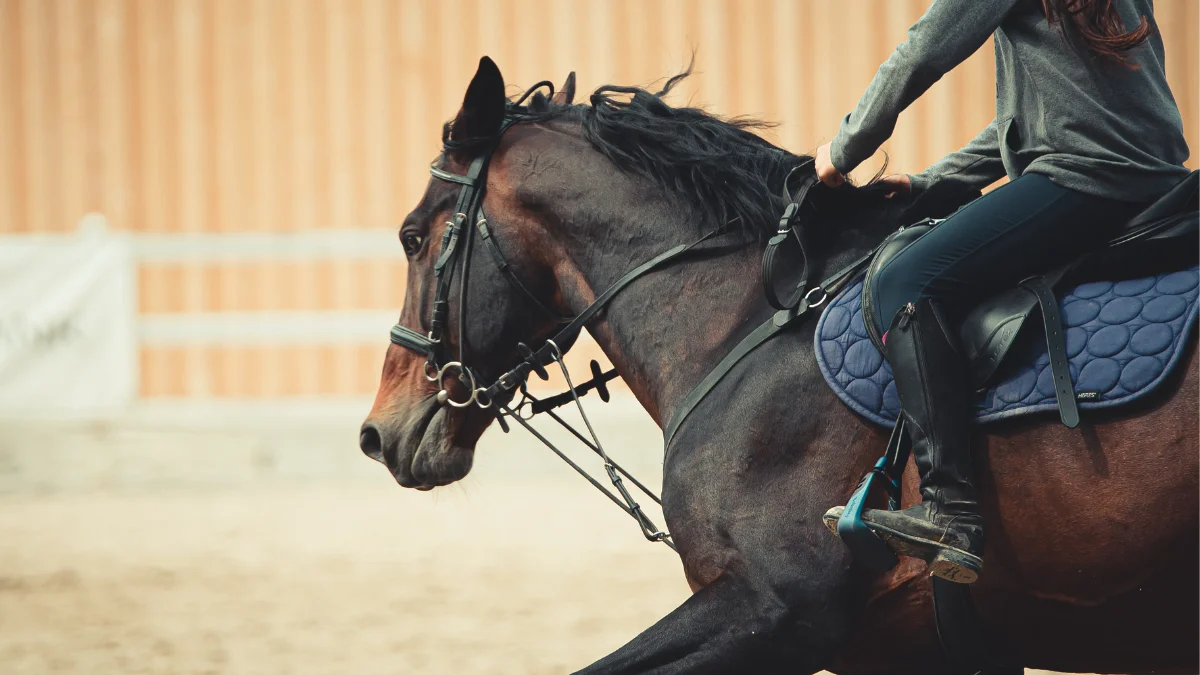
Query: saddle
x=1166, y=235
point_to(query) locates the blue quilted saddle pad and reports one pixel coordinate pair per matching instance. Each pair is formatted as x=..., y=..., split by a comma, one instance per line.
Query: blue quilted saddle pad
x=1123, y=339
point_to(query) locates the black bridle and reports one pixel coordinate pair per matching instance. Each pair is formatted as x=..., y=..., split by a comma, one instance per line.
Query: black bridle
x=457, y=243
x=455, y=253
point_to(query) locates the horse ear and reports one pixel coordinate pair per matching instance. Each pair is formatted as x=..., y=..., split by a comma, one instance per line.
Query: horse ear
x=482, y=111
x=566, y=95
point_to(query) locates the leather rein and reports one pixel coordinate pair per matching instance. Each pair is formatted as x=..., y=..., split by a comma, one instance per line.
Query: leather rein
x=457, y=242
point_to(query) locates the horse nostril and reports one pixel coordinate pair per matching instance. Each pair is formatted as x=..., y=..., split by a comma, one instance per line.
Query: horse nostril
x=371, y=442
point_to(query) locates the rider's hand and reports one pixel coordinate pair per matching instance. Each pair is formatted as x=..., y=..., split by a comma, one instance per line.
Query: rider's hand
x=828, y=174
x=899, y=185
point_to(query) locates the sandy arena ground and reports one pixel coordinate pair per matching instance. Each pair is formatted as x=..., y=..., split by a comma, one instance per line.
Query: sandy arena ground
x=238, y=540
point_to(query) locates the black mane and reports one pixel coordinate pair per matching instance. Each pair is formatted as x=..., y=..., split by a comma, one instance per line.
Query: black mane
x=727, y=173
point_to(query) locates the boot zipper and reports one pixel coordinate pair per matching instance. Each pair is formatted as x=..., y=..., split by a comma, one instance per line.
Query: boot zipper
x=868, y=304
x=908, y=310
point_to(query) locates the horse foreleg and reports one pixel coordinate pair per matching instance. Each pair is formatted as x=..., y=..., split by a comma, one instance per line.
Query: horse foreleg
x=726, y=627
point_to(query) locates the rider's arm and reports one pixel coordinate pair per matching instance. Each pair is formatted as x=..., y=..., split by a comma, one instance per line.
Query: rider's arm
x=949, y=32
x=977, y=165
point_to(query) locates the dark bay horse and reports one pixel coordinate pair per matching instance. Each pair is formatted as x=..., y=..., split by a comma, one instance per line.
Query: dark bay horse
x=1092, y=558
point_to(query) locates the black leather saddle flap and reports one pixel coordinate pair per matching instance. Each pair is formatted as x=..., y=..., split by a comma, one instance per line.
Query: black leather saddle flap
x=991, y=328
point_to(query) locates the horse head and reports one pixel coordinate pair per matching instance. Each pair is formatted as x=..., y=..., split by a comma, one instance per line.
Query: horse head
x=568, y=198
x=426, y=442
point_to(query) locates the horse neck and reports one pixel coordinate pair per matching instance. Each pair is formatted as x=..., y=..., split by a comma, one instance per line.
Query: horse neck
x=668, y=330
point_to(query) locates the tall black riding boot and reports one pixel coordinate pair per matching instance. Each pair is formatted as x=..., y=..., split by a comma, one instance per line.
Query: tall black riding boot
x=946, y=530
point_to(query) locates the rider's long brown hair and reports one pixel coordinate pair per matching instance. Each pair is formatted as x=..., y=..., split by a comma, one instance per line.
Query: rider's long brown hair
x=1098, y=25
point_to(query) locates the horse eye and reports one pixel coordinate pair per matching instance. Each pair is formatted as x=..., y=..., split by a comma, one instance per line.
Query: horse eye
x=412, y=243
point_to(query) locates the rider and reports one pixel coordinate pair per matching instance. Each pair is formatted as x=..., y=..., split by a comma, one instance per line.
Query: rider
x=1088, y=133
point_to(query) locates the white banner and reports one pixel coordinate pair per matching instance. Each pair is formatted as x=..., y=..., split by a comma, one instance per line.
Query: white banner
x=67, y=325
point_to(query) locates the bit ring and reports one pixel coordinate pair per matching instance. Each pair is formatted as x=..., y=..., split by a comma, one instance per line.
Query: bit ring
x=443, y=394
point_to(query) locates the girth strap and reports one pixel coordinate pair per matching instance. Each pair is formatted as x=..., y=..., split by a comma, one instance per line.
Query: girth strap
x=961, y=633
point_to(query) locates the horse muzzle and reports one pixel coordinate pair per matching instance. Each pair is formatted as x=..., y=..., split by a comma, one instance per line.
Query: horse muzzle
x=419, y=449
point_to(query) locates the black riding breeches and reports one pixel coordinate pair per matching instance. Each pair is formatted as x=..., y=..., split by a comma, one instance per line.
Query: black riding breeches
x=1025, y=227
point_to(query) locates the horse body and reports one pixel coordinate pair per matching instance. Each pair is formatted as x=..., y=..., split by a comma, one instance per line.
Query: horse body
x=1092, y=533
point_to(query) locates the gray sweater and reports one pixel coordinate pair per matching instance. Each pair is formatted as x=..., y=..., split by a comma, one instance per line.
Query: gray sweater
x=1086, y=125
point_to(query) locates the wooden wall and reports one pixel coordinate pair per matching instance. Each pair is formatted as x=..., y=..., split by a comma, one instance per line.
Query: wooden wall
x=278, y=116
